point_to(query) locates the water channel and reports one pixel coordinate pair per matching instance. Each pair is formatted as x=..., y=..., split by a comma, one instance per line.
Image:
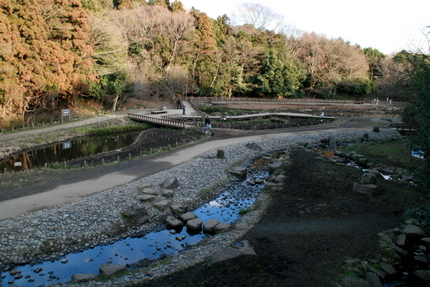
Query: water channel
x=238, y=195
x=68, y=150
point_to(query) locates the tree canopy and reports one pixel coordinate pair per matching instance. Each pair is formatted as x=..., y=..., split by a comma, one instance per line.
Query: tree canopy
x=55, y=52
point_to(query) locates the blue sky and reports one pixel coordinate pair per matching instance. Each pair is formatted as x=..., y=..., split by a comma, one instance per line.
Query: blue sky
x=386, y=25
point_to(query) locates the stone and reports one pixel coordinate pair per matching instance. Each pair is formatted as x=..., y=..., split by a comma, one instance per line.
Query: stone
x=220, y=154
x=234, y=257
x=81, y=277
x=368, y=178
x=209, y=225
x=149, y=190
x=401, y=239
x=368, y=189
x=275, y=166
x=163, y=204
x=422, y=274
x=238, y=171
x=178, y=208
x=111, y=269
x=253, y=146
x=373, y=279
x=187, y=216
x=145, y=197
x=173, y=222
x=170, y=183
x=134, y=212
x=194, y=224
x=388, y=268
x=413, y=230
x=167, y=193
x=356, y=282
x=221, y=227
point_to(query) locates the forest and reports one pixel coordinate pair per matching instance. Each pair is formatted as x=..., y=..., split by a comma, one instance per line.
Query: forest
x=57, y=54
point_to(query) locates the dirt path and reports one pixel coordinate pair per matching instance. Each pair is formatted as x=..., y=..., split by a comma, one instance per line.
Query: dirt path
x=56, y=187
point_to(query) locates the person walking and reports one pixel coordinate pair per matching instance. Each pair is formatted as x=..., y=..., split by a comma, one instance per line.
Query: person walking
x=207, y=124
x=183, y=110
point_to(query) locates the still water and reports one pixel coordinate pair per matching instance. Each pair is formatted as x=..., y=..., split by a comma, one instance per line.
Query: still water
x=238, y=195
x=69, y=150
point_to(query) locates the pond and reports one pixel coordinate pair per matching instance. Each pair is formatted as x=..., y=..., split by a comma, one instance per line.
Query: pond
x=68, y=150
x=138, y=249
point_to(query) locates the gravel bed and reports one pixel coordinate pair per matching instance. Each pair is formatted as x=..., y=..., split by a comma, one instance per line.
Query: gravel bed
x=97, y=219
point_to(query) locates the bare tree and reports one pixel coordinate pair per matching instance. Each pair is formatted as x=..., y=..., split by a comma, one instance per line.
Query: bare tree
x=261, y=17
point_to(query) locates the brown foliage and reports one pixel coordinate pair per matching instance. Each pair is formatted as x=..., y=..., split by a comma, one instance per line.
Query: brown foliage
x=43, y=49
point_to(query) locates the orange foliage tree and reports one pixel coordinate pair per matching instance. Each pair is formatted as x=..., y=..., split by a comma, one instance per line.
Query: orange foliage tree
x=44, y=56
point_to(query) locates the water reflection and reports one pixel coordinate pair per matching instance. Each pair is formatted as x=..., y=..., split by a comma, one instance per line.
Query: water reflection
x=69, y=150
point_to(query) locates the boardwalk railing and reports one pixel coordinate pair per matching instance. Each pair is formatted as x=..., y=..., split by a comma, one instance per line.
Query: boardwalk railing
x=157, y=121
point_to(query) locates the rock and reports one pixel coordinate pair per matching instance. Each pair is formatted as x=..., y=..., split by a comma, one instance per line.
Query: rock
x=234, y=257
x=167, y=193
x=170, y=183
x=373, y=279
x=209, y=225
x=149, y=190
x=80, y=277
x=187, y=216
x=221, y=227
x=356, y=282
x=368, y=189
x=401, y=239
x=145, y=197
x=134, y=212
x=163, y=204
x=275, y=166
x=220, y=154
x=173, y=222
x=178, y=208
x=110, y=269
x=368, y=178
x=253, y=146
x=238, y=171
x=388, y=268
x=413, y=230
x=194, y=224
x=423, y=274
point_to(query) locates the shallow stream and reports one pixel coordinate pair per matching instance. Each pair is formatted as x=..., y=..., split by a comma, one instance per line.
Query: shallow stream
x=237, y=196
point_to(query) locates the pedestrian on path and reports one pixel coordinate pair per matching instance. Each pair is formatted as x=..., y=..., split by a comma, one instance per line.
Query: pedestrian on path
x=207, y=124
x=183, y=110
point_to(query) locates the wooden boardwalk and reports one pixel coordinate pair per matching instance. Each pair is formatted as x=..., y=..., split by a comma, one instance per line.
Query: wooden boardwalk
x=173, y=118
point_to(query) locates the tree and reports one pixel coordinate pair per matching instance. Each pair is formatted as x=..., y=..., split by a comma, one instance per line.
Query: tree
x=46, y=57
x=417, y=112
x=259, y=16
x=280, y=76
